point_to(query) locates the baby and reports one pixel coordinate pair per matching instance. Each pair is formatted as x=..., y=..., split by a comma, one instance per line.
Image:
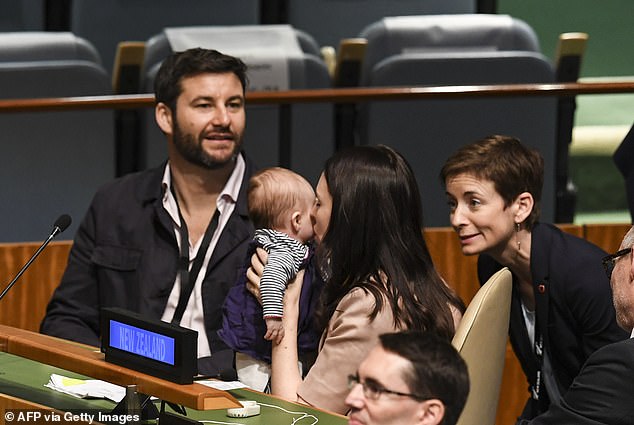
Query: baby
x=280, y=202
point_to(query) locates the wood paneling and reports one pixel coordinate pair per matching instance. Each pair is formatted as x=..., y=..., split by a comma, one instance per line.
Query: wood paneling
x=25, y=304
x=607, y=236
x=459, y=271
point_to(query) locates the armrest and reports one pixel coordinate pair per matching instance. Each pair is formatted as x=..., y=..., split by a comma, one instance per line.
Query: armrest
x=570, y=50
x=128, y=64
x=349, y=62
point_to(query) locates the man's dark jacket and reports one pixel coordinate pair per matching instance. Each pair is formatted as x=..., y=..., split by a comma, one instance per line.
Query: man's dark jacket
x=602, y=392
x=125, y=254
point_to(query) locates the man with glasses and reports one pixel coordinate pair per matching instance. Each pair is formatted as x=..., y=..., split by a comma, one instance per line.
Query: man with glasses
x=409, y=378
x=602, y=392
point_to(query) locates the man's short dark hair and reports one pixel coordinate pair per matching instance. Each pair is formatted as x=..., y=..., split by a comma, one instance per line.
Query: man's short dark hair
x=438, y=370
x=180, y=65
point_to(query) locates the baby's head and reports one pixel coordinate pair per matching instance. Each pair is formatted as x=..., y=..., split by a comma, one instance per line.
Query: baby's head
x=280, y=199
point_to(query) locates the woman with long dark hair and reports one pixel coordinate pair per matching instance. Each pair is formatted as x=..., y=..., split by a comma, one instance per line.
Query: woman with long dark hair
x=379, y=276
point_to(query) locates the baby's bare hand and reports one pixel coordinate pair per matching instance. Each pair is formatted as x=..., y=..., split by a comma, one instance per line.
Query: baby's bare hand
x=274, y=329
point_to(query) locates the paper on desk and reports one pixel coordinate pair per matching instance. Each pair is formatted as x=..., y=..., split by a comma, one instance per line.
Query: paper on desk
x=85, y=388
x=222, y=385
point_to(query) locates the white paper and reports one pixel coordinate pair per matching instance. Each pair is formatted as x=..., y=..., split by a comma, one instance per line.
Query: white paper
x=222, y=385
x=88, y=388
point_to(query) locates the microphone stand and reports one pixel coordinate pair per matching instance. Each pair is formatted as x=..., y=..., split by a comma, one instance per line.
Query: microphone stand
x=54, y=233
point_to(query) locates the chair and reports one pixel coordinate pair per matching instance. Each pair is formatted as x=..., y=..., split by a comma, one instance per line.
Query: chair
x=446, y=50
x=570, y=51
x=481, y=340
x=29, y=46
x=106, y=23
x=444, y=33
x=346, y=18
x=311, y=126
x=622, y=158
x=427, y=132
x=52, y=161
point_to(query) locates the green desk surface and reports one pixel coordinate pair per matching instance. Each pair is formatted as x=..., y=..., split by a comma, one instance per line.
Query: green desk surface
x=25, y=379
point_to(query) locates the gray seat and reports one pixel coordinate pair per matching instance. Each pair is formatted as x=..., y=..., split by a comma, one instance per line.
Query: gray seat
x=311, y=125
x=442, y=50
x=53, y=161
x=29, y=46
x=329, y=21
x=22, y=15
x=444, y=33
x=106, y=23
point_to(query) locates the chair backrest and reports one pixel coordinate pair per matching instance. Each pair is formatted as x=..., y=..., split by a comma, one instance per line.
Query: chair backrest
x=570, y=51
x=481, y=340
x=29, y=46
x=106, y=23
x=311, y=125
x=52, y=161
x=427, y=132
x=329, y=21
x=444, y=33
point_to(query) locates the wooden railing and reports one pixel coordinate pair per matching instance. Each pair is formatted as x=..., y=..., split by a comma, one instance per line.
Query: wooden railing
x=342, y=95
x=336, y=96
x=25, y=306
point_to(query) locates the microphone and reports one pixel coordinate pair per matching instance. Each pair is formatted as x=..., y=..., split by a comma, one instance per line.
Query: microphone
x=60, y=225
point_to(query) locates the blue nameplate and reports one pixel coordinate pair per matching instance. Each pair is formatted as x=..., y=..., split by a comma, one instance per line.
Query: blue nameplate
x=150, y=346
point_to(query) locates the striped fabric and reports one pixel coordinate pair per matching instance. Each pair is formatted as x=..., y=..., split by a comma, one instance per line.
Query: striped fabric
x=285, y=257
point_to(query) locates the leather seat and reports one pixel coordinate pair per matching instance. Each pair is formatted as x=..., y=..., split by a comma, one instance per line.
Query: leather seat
x=53, y=161
x=481, y=341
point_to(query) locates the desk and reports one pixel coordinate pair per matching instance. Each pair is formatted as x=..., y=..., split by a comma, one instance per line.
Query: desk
x=24, y=379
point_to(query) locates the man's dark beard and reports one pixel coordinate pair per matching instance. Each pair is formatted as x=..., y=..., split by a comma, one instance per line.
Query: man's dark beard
x=191, y=149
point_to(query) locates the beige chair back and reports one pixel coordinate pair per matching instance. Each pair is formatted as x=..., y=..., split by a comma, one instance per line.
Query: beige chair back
x=481, y=340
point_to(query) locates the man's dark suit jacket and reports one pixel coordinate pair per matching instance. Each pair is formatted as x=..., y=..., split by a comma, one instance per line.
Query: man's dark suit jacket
x=601, y=393
x=574, y=309
x=125, y=254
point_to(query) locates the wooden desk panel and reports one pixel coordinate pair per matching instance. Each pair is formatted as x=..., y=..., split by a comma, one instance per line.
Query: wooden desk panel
x=459, y=271
x=607, y=236
x=89, y=361
x=24, y=305
x=23, y=382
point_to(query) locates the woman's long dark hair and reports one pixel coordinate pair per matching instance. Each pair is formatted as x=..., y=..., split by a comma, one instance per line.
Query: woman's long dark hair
x=374, y=241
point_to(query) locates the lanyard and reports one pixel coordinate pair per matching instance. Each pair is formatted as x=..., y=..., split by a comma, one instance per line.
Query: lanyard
x=188, y=277
x=541, y=305
x=539, y=353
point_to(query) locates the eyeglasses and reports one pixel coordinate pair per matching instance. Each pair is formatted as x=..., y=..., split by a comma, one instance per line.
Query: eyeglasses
x=610, y=260
x=373, y=390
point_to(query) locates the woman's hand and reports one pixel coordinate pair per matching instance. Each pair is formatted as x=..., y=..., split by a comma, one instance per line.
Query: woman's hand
x=254, y=273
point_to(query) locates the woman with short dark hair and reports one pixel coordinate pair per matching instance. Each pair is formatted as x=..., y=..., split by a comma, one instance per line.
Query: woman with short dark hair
x=561, y=308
